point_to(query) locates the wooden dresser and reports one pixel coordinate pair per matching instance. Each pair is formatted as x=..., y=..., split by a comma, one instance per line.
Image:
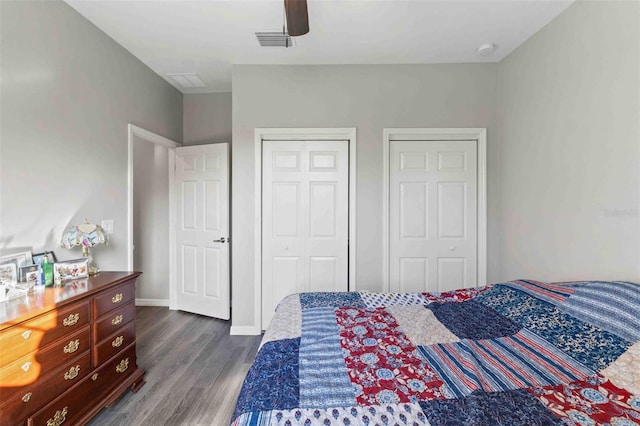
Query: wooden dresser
x=67, y=352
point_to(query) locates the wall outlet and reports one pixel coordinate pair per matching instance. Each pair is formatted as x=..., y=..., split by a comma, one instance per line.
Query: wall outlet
x=107, y=225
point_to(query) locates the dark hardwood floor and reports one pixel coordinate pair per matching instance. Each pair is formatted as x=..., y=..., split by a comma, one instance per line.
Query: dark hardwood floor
x=194, y=371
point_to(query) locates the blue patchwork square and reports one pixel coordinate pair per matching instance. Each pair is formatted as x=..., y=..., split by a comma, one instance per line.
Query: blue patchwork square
x=594, y=347
x=385, y=300
x=472, y=320
x=272, y=381
x=612, y=306
x=511, y=408
x=523, y=360
x=331, y=299
x=324, y=380
x=549, y=292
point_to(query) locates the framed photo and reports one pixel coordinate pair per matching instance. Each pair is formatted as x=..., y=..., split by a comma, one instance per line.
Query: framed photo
x=19, y=259
x=71, y=269
x=8, y=274
x=37, y=258
x=29, y=273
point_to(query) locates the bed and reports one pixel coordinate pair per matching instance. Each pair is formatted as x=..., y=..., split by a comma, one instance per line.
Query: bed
x=516, y=353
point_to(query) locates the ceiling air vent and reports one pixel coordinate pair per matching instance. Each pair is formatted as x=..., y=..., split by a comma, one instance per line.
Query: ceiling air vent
x=274, y=39
x=187, y=80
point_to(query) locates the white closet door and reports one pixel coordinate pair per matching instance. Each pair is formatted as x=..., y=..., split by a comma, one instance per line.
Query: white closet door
x=432, y=215
x=305, y=219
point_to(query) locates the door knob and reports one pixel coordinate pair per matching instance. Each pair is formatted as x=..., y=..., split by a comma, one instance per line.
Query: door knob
x=222, y=240
x=452, y=248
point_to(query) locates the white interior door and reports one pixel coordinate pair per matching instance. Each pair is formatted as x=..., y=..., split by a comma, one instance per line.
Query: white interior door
x=202, y=229
x=433, y=199
x=305, y=219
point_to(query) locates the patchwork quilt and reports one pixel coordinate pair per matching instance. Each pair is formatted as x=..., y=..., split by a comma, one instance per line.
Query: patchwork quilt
x=516, y=353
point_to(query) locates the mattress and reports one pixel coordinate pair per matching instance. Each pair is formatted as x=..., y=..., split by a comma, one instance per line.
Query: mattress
x=515, y=353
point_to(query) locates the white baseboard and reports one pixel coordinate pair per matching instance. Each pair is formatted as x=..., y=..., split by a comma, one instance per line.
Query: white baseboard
x=245, y=330
x=152, y=302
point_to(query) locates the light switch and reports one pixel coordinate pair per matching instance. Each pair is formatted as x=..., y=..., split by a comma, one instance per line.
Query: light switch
x=107, y=225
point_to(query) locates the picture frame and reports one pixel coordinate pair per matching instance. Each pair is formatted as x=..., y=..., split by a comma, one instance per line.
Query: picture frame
x=8, y=274
x=19, y=259
x=70, y=269
x=29, y=273
x=37, y=258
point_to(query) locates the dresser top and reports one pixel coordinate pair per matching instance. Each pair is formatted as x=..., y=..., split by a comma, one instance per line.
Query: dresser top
x=14, y=311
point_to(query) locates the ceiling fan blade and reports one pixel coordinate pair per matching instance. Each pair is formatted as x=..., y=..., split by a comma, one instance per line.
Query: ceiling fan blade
x=297, y=17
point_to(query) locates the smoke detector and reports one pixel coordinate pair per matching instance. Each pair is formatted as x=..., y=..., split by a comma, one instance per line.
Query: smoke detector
x=486, y=49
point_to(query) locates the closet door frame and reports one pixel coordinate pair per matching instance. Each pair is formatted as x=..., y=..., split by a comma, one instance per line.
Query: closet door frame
x=300, y=134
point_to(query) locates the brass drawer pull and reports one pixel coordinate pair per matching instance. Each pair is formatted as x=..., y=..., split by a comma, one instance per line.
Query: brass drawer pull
x=26, y=366
x=58, y=418
x=26, y=334
x=71, y=320
x=116, y=320
x=117, y=342
x=117, y=298
x=27, y=397
x=122, y=367
x=94, y=377
x=72, y=346
x=72, y=373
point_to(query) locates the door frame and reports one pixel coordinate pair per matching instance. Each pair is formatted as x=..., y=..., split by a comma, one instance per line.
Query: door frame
x=437, y=134
x=149, y=136
x=301, y=134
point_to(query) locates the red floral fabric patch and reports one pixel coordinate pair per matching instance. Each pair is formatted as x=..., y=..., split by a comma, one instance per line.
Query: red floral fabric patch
x=454, y=296
x=595, y=401
x=380, y=360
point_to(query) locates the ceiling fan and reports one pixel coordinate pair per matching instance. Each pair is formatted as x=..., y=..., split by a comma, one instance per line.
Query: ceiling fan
x=297, y=17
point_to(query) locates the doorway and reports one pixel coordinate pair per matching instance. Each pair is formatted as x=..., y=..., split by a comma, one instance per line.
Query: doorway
x=150, y=172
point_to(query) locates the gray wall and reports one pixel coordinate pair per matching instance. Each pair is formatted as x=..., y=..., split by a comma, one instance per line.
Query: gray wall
x=368, y=97
x=207, y=118
x=570, y=148
x=151, y=219
x=68, y=92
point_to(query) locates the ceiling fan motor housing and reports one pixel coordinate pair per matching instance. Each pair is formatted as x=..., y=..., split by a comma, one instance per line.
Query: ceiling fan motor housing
x=297, y=17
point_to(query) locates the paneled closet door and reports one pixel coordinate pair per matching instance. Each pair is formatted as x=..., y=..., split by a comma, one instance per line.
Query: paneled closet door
x=433, y=202
x=305, y=219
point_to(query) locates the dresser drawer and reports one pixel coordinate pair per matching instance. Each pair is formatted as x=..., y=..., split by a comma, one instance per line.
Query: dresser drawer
x=110, y=323
x=66, y=408
x=112, y=299
x=28, y=368
x=119, y=340
x=28, y=336
x=28, y=399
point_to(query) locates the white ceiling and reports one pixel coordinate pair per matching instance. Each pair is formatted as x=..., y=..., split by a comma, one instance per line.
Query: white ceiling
x=207, y=37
